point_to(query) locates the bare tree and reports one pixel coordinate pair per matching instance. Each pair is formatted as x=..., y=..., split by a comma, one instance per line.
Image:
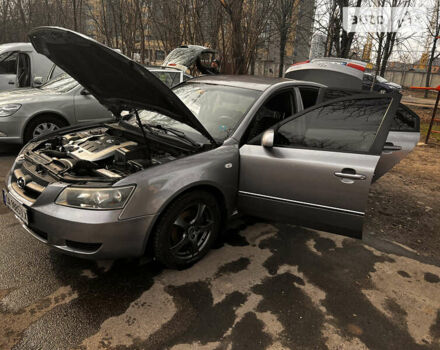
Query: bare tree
x=433, y=31
x=283, y=16
x=247, y=21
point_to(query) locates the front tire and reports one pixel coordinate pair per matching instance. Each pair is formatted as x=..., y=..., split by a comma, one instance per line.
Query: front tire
x=42, y=125
x=187, y=229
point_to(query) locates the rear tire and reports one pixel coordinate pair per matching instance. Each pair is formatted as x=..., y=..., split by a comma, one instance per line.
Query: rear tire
x=42, y=125
x=187, y=229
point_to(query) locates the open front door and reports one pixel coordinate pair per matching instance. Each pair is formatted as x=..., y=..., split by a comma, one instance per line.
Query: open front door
x=320, y=167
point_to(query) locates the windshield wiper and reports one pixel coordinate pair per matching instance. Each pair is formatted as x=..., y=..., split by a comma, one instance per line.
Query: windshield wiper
x=175, y=132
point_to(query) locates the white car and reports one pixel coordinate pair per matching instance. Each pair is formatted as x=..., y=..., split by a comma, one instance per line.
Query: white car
x=21, y=66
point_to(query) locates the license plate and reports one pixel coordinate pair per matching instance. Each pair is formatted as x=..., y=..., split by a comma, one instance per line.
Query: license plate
x=19, y=209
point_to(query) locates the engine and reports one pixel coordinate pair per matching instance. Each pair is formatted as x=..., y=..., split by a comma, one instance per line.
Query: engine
x=100, y=153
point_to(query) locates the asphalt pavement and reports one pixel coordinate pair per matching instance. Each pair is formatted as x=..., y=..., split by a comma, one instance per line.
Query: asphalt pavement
x=264, y=286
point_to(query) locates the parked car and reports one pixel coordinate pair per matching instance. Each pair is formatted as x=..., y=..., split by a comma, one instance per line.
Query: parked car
x=164, y=178
x=31, y=112
x=169, y=76
x=21, y=66
x=330, y=71
x=192, y=57
x=381, y=84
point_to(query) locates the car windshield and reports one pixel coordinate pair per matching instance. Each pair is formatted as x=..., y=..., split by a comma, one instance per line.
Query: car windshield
x=381, y=79
x=218, y=108
x=62, y=83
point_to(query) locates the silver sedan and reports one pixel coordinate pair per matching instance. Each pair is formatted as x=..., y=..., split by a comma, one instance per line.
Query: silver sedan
x=164, y=179
x=28, y=113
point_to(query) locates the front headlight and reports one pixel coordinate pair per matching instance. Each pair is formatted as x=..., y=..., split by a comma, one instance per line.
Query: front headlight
x=95, y=198
x=9, y=109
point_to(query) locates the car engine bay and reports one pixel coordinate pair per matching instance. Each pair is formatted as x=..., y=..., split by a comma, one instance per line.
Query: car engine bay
x=98, y=154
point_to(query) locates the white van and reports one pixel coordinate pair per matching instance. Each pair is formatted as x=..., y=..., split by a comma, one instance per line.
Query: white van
x=21, y=66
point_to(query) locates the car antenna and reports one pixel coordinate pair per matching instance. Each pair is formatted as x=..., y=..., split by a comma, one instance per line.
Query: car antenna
x=147, y=142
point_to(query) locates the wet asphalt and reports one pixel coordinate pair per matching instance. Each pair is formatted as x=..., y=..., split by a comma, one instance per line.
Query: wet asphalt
x=264, y=286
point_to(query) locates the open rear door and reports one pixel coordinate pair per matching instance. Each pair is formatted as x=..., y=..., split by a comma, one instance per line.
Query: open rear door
x=402, y=139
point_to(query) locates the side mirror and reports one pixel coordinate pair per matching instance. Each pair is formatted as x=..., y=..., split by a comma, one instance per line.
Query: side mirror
x=267, y=139
x=85, y=92
x=38, y=81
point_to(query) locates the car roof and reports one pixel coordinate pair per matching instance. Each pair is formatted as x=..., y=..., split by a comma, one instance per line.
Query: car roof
x=248, y=81
x=16, y=46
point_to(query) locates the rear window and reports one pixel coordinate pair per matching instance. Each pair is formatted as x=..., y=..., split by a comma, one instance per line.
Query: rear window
x=405, y=120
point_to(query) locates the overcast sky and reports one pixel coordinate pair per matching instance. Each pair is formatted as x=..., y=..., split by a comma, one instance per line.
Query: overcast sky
x=413, y=41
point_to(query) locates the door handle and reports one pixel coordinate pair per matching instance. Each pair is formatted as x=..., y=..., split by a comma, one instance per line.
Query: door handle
x=11, y=82
x=350, y=174
x=389, y=146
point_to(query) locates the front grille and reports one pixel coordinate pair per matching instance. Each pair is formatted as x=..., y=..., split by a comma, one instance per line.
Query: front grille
x=40, y=234
x=28, y=182
x=85, y=247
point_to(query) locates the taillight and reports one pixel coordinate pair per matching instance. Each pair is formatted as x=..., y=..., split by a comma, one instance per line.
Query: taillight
x=295, y=64
x=356, y=66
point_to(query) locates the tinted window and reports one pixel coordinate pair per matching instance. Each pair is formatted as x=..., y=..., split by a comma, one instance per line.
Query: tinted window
x=349, y=126
x=272, y=112
x=331, y=94
x=308, y=96
x=8, y=63
x=405, y=120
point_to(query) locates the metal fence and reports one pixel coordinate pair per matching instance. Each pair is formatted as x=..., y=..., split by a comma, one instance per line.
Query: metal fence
x=411, y=78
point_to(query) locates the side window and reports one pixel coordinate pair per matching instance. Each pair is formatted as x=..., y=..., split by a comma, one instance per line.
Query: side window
x=347, y=126
x=405, y=120
x=276, y=109
x=8, y=63
x=309, y=96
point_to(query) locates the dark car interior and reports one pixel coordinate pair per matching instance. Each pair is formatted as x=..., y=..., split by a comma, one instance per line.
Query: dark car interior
x=276, y=109
x=23, y=70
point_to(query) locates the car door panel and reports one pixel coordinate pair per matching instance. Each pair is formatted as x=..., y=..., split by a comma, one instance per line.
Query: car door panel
x=305, y=186
x=87, y=109
x=318, y=188
x=402, y=139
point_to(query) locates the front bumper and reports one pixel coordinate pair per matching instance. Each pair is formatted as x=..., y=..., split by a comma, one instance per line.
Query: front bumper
x=11, y=128
x=88, y=234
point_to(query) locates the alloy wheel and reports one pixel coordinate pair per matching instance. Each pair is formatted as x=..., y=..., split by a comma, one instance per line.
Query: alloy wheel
x=44, y=128
x=191, y=230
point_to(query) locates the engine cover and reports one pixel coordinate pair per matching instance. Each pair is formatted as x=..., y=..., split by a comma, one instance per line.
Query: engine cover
x=97, y=147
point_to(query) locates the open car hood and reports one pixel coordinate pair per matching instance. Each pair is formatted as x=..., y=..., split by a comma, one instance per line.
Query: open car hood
x=185, y=56
x=116, y=81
